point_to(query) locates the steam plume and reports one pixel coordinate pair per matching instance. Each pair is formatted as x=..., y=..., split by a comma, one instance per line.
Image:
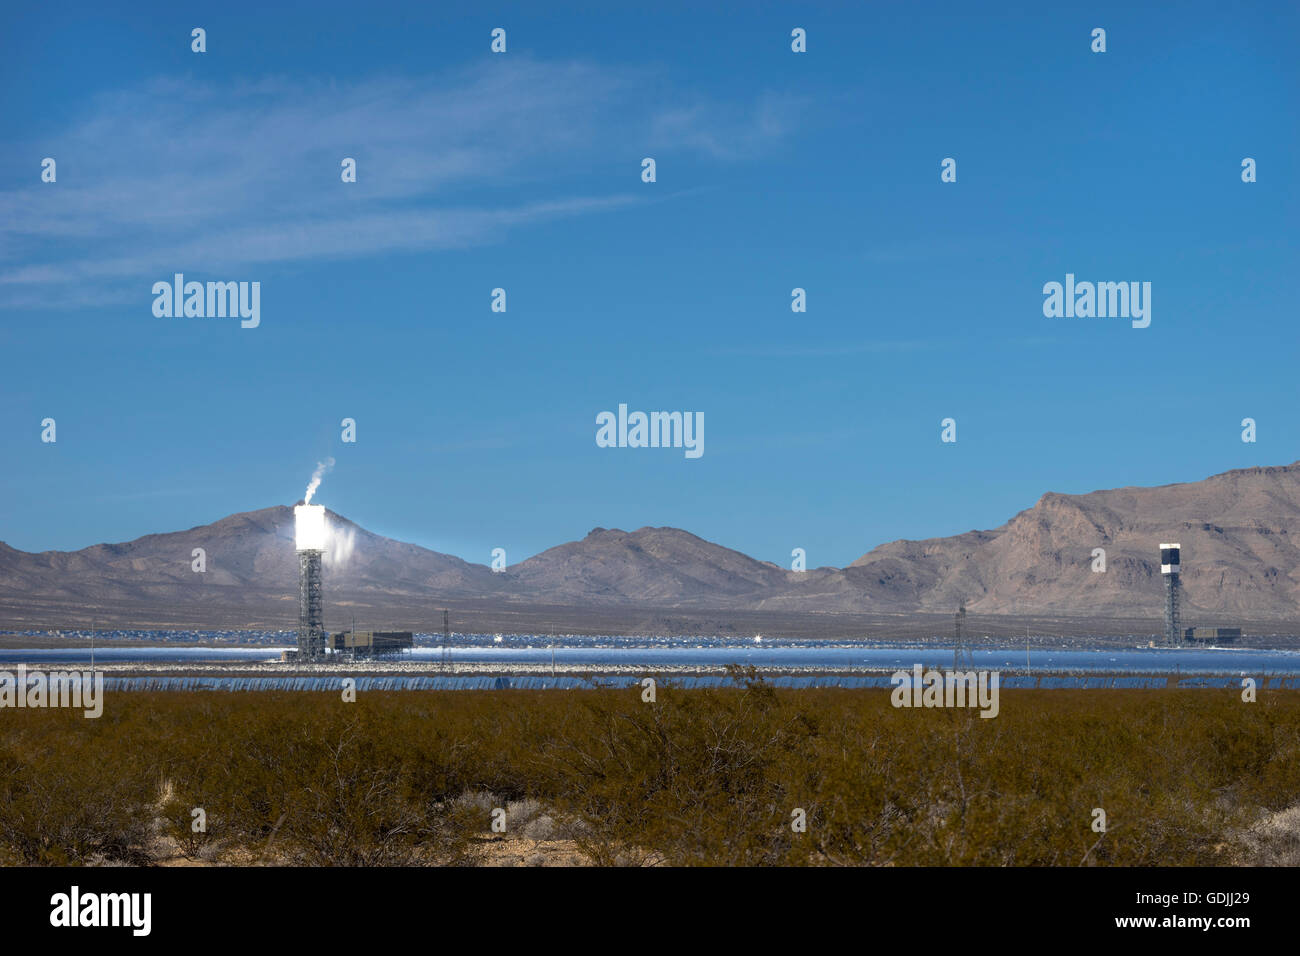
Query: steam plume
x=342, y=541
x=316, y=476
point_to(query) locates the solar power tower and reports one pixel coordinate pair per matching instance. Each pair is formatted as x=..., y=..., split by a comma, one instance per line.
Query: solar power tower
x=1170, y=557
x=309, y=541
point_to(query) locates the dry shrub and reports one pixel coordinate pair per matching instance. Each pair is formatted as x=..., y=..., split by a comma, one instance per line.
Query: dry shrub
x=706, y=777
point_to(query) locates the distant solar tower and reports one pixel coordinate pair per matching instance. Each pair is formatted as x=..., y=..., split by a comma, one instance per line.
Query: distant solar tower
x=309, y=540
x=1170, y=555
x=446, y=641
x=960, y=652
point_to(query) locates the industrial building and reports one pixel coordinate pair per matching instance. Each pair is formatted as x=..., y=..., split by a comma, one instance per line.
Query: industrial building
x=353, y=644
x=1175, y=635
x=310, y=536
x=1212, y=635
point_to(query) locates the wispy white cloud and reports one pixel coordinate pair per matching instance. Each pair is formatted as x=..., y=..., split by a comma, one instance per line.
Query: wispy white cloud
x=179, y=176
x=831, y=350
x=722, y=133
x=88, y=280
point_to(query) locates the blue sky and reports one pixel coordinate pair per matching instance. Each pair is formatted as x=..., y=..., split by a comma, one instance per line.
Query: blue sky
x=522, y=170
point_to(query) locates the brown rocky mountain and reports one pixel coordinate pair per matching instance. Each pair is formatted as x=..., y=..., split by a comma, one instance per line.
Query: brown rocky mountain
x=249, y=550
x=661, y=567
x=251, y=575
x=1238, y=531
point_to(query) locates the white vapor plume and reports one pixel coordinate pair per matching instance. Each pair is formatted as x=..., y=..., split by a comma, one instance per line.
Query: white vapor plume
x=316, y=476
x=340, y=544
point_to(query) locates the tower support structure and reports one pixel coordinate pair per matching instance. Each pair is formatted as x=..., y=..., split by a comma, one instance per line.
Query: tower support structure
x=311, y=606
x=446, y=641
x=1173, y=616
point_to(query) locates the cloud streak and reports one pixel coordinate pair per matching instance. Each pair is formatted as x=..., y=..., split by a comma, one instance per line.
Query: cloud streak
x=178, y=176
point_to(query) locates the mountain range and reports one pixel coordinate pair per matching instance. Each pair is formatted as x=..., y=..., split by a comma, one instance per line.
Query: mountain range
x=1237, y=530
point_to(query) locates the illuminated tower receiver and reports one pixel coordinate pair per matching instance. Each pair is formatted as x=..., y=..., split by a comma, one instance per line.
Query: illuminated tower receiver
x=309, y=539
x=1170, y=556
